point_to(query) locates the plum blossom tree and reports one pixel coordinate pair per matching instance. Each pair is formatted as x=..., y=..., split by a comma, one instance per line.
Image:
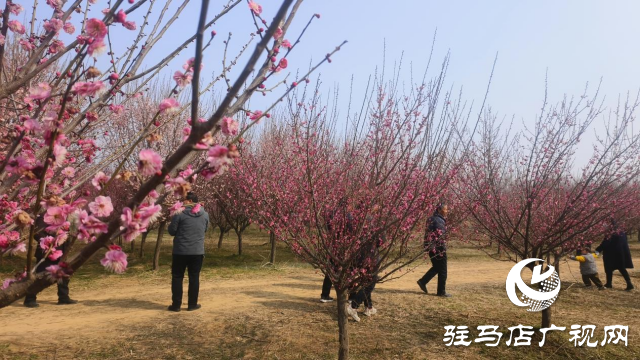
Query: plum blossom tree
x=48, y=121
x=523, y=192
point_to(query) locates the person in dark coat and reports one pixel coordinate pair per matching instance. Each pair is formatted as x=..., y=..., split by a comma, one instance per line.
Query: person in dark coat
x=616, y=255
x=436, y=245
x=188, y=229
x=30, y=300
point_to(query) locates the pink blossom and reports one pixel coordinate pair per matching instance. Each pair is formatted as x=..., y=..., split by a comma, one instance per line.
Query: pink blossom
x=97, y=48
x=115, y=260
x=96, y=29
x=90, y=226
x=182, y=79
x=69, y=172
x=188, y=66
x=150, y=162
x=69, y=28
x=283, y=63
x=17, y=27
x=131, y=224
x=196, y=209
x=55, y=4
x=27, y=45
x=255, y=7
x=169, y=105
x=218, y=151
x=99, y=180
x=55, y=254
x=58, y=272
x=286, y=44
x=15, y=9
x=229, y=126
x=130, y=25
x=255, y=115
x=120, y=17
x=89, y=88
x=59, y=153
x=31, y=125
x=101, y=206
x=55, y=217
x=53, y=25
x=278, y=33
x=176, y=208
x=40, y=92
x=116, y=109
x=56, y=46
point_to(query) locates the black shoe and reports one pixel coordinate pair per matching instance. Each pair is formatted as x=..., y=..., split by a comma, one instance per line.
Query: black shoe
x=601, y=288
x=31, y=304
x=608, y=286
x=194, y=308
x=423, y=287
x=67, y=301
x=174, y=308
x=629, y=288
x=326, y=299
x=447, y=295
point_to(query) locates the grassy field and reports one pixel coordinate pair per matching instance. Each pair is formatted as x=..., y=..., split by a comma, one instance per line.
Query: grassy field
x=256, y=311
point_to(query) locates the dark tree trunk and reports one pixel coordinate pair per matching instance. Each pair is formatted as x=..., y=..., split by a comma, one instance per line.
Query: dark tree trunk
x=133, y=246
x=343, y=325
x=120, y=240
x=639, y=234
x=272, y=257
x=239, y=233
x=156, y=253
x=546, y=318
x=220, y=238
x=142, y=241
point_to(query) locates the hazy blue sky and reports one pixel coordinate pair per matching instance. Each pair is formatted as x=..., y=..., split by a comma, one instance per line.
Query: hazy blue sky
x=578, y=41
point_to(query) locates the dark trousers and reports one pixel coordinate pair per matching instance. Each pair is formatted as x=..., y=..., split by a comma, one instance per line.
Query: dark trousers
x=363, y=296
x=193, y=264
x=624, y=273
x=326, y=287
x=63, y=286
x=587, y=279
x=439, y=267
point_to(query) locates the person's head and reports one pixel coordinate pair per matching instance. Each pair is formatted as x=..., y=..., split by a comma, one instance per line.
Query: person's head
x=584, y=251
x=612, y=224
x=191, y=198
x=442, y=209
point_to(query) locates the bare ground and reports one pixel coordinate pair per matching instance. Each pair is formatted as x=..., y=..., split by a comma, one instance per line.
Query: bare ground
x=275, y=314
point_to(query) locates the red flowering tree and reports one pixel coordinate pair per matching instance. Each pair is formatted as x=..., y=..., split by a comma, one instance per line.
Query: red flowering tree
x=354, y=204
x=524, y=194
x=51, y=118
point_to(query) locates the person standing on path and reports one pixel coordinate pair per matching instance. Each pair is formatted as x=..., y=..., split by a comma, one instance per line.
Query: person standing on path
x=616, y=255
x=435, y=242
x=188, y=229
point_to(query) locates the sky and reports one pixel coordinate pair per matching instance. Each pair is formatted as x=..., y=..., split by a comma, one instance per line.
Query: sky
x=574, y=42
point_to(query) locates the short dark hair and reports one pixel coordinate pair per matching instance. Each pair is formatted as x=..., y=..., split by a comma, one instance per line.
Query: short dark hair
x=191, y=196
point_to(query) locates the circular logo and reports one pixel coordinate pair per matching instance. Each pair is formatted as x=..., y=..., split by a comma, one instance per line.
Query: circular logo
x=533, y=299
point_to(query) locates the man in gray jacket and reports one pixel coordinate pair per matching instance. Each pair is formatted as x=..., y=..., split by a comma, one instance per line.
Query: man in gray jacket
x=188, y=229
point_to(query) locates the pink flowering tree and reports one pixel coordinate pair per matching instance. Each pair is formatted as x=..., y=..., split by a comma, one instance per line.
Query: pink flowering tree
x=51, y=149
x=524, y=193
x=354, y=204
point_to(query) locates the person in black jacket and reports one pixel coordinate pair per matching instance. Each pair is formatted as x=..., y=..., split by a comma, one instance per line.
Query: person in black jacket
x=188, y=229
x=435, y=242
x=616, y=255
x=63, y=285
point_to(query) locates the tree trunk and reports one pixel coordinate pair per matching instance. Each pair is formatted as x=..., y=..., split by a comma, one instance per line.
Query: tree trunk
x=556, y=263
x=239, y=233
x=639, y=234
x=272, y=257
x=343, y=325
x=220, y=239
x=120, y=240
x=144, y=239
x=546, y=318
x=156, y=253
x=133, y=246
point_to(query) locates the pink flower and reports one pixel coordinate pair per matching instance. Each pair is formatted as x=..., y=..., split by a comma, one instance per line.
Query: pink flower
x=101, y=206
x=59, y=153
x=176, y=208
x=69, y=28
x=169, y=105
x=286, y=44
x=196, y=209
x=99, y=180
x=120, y=17
x=90, y=226
x=256, y=8
x=116, y=109
x=69, y=172
x=278, y=33
x=55, y=4
x=115, y=260
x=27, y=45
x=89, y=88
x=150, y=162
x=15, y=9
x=53, y=25
x=218, y=151
x=55, y=254
x=256, y=115
x=55, y=217
x=17, y=27
x=58, y=272
x=130, y=25
x=56, y=46
x=283, y=63
x=40, y=92
x=229, y=126
x=182, y=79
x=97, y=48
x=188, y=66
x=96, y=29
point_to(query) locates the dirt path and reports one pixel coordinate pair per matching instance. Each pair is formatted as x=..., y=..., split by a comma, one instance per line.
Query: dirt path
x=111, y=303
